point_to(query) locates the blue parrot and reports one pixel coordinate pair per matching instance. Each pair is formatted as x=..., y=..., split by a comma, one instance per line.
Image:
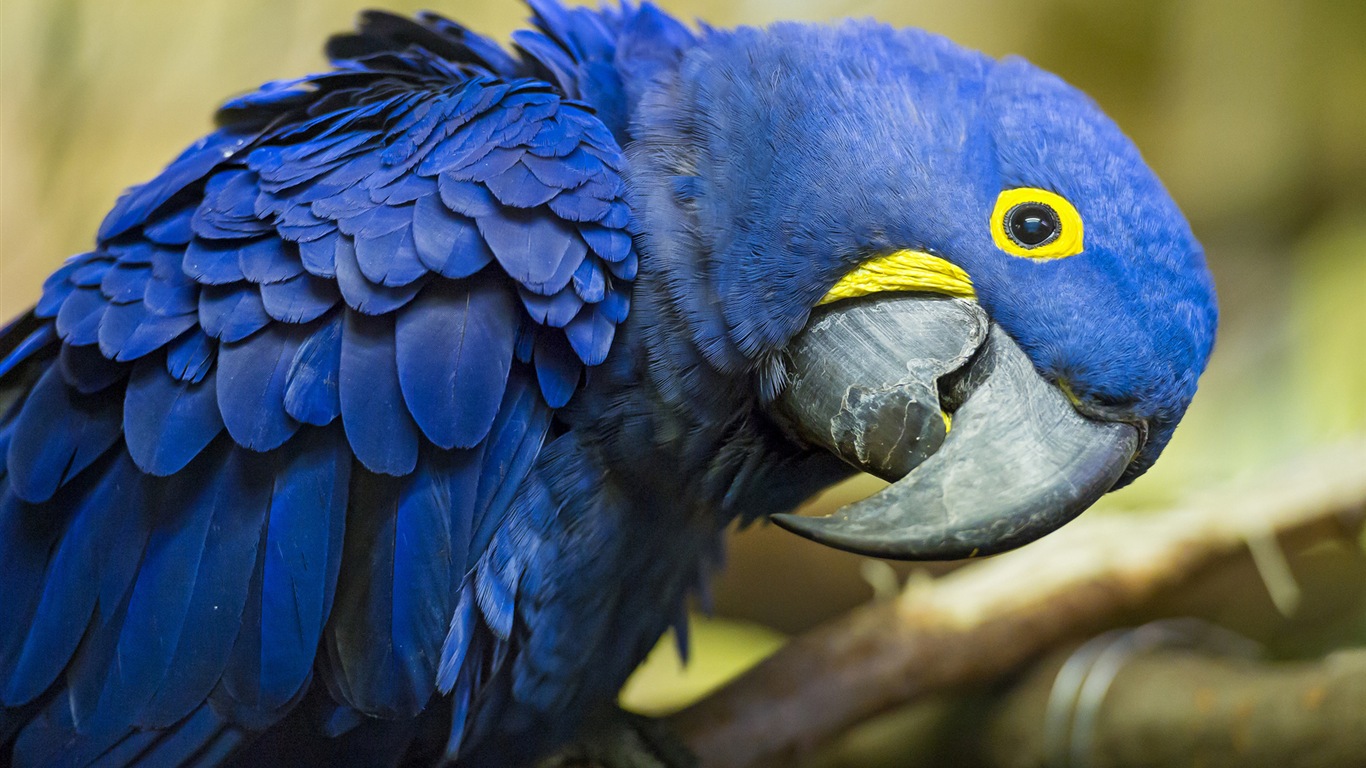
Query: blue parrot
x=398, y=417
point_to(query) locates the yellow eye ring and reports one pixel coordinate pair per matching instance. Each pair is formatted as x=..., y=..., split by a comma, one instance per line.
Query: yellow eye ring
x=1036, y=224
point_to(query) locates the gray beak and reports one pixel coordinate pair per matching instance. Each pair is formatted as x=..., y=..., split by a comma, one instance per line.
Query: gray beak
x=871, y=379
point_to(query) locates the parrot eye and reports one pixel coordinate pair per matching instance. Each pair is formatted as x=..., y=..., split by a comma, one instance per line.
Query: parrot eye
x=1031, y=225
x=1036, y=224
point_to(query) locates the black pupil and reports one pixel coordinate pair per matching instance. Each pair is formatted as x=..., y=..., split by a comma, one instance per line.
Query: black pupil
x=1032, y=224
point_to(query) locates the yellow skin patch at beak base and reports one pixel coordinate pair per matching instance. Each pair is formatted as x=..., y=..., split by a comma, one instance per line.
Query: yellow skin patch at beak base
x=902, y=271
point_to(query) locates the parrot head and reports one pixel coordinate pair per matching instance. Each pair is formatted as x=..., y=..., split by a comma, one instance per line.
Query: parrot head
x=958, y=273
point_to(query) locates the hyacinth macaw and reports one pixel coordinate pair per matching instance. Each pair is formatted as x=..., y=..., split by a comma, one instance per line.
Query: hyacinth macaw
x=395, y=420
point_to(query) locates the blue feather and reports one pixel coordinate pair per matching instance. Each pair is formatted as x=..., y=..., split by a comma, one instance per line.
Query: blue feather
x=300, y=564
x=589, y=281
x=448, y=243
x=171, y=228
x=167, y=422
x=252, y=377
x=78, y=321
x=91, y=273
x=394, y=595
x=362, y=295
x=533, y=248
x=467, y=197
x=565, y=172
x=171, y=294
x=555, y=311
x=312, y=394
x=612, y=245
x=202, y=157
x=319, y=256
x=590, y=334
x=32, y=344
x=129, y=331
x=231, y=312
x=125, y=282
x=390, y=259
x=87, y=370
x=215, y=262
x=183, y=609
x=519, y=188
x=299, y=299
x=378, y=426
x=513, y=444
x=557, y=368
x=454, y=349
x=101, y=547
x=269, y=260
x=190, y=357
x=494, y=161
x=57, y=434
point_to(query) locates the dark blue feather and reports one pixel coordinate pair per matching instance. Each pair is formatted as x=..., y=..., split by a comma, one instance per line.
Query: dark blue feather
x=101, y=549
x=125, y=282
x=167, y=422
x=78, y=321
x=190, y=357
x=394, y=596
x=565, y=172
x=390, y=259
x=32, y=344
x=612, y=245
x=129, y=331
x=319, y=256
x=378, y=425
x=581, y=206
x=203, y=156
x=91, y=273
x=495, y=161
x=454, y=349
x=312, y=394
x=299, y=567
x=171, y=294
x=589, y=281
x=252, y=377
x=171, y=228
x=467, y=197
x=558, y=369
x=269, y=260
x=87, y=370
x=299, y=299
x=590, y=334
x=361, y=294
x=184, y=607
x=231, y=312
x=448, y=243
x=555, y=311
x=215, y=262
x=57, y=434
x=519, y=188
x=533, y=248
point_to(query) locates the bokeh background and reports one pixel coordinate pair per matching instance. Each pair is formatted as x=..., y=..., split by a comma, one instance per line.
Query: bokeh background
x=1252, y=111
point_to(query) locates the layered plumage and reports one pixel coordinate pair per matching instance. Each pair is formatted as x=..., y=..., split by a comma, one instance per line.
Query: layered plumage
x=396, y=418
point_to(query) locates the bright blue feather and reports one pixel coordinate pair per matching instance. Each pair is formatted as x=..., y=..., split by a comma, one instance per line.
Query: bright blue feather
x=231, y=312
x=312, y=393
x=167, y=422
x=454, y=349
x=252, y=377
x=378, y=425
x=58, y=433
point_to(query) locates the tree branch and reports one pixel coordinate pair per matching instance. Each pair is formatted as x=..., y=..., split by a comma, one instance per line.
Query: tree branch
x=987, y=619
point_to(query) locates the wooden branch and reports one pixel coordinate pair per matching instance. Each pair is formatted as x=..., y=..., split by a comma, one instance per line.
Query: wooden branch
x=1178, y=708
x=989, y=618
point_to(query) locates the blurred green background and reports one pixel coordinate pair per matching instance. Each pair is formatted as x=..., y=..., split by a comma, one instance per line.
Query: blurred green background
x=1252, y=111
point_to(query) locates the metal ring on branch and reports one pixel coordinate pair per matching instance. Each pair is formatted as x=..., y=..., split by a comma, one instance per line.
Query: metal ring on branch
x=1079, y=688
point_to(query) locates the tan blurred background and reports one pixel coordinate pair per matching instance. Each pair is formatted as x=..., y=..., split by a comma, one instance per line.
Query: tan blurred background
x=1253, y=111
